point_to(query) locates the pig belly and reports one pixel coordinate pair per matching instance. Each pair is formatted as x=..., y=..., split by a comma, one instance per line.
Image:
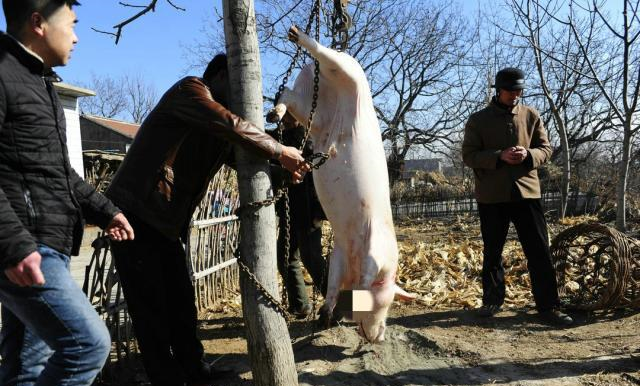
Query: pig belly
x=353, y=190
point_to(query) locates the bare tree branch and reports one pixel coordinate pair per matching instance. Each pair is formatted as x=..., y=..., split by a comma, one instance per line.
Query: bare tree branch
x=151, y=7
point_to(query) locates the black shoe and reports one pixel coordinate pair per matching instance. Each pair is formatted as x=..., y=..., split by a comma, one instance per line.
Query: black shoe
x=556, y=318
x=488, y=310
x=208, y=374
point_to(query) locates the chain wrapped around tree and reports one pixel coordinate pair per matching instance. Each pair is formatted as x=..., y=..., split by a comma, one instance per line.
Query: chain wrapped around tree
x=339, y=27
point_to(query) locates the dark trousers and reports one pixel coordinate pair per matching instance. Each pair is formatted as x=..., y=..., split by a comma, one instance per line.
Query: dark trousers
x=305, y=245
x=160, y=299
x=528, y=218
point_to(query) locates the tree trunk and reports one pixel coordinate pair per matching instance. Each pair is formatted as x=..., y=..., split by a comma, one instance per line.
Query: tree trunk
x=394, y=165
x=621, y=189
x=566, y=169
x=268, y=340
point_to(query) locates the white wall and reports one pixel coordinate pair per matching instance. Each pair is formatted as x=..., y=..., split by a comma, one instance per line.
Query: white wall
x=74, y=141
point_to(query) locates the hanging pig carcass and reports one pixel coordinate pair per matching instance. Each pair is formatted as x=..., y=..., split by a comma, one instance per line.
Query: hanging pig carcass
x=353, y=185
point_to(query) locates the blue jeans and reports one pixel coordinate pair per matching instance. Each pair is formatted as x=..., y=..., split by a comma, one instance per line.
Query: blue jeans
x=51, y=335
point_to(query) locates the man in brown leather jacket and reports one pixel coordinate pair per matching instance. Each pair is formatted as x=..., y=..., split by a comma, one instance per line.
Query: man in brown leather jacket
x=179, y=147
x=505, y=143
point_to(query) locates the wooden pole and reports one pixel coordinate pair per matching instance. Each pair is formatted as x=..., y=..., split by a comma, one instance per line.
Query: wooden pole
x=268, y=340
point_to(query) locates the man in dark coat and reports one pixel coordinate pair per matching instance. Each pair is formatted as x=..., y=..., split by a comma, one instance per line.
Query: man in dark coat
x=179, y=147
x=505, y=143
x=51, y=335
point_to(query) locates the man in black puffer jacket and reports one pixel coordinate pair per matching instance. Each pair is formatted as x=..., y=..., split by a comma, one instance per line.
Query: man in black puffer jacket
x=50, y=334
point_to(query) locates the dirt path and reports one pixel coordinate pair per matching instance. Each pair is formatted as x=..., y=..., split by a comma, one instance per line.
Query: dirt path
x=450, y=348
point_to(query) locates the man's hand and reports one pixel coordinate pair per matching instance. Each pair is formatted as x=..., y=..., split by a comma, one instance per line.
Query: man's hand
x=514, y=155
x=292, y=160
x=119, y=228
x=27, y=272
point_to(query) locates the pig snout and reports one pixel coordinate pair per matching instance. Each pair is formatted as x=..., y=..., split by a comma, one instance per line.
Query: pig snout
x=373, y=332
x=372, y=325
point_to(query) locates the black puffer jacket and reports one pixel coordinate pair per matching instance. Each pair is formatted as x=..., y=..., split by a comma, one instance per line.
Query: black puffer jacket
x=42, y=199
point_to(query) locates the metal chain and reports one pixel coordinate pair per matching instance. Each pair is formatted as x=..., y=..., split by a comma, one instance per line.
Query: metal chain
x=341, y=22
x=282, y=192
x=315, y=12
x=260, y=204
x=314, y=101
x=323, y=158
x=287, y=236
x=316, y=81
x=287, y=252
x=278, y=307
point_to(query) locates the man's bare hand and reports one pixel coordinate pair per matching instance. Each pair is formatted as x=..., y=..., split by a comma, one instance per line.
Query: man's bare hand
x=521, y=153
x=514, y=155
x=292, y=160
x=27, y=272
x=119, y=228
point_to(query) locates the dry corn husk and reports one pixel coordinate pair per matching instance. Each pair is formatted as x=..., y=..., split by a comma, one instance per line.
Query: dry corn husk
x=441, y=261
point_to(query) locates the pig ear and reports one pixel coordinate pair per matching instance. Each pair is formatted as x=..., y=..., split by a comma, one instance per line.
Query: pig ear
x=404, y=295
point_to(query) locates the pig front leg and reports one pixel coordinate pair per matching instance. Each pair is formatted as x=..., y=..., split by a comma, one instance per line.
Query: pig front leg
x=370, y=271
x=276, y=113
x=337, y=270
x=289, y=101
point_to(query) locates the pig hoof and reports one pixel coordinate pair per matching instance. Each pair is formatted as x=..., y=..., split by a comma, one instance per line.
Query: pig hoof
x=272, y=116
x=327, y=320
x=293, y=34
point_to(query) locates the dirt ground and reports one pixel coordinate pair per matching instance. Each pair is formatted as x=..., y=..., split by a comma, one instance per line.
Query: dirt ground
x=431, y=347
x=429, y=344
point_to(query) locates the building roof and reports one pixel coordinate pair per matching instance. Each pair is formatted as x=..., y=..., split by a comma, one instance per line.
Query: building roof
x=73, y=91
x=125, y=128
x=106, y=155
x=411, y=166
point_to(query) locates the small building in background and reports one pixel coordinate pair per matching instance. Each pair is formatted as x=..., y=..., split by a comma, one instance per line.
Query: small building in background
x=104, y=144
x=105, y=134
x=69, y=95
x=413, y=168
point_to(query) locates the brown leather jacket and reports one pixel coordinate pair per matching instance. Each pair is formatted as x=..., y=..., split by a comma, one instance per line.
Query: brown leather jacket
x=493, y=129
x=179, y=147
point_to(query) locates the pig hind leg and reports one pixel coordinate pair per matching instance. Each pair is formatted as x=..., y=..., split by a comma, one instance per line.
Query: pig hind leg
x=333, y=64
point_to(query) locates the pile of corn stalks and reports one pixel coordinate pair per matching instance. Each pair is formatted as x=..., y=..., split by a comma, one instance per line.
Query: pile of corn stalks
x=441, y=262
